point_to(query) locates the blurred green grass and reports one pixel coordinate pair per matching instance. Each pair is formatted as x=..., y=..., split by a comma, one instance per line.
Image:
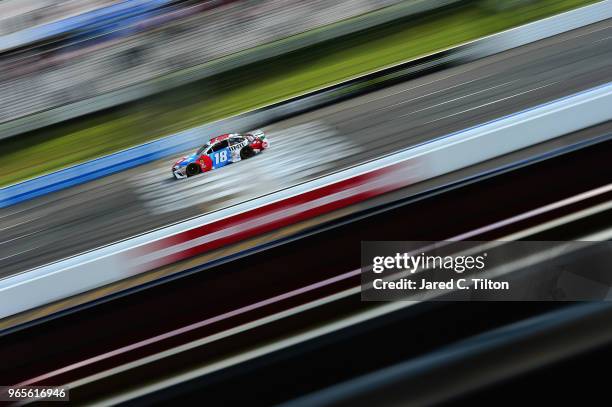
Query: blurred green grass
x=52, y=148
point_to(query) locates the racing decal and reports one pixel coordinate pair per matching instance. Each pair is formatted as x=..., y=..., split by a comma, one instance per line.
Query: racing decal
x=206, y=163
x=239, y=146
x=235, y=155
x=221, y=157
x=235, y=150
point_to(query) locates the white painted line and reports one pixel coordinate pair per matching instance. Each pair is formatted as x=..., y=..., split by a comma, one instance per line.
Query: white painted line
x=18, y=237
x=459, y=98
x=490, y=103
x=21, y=252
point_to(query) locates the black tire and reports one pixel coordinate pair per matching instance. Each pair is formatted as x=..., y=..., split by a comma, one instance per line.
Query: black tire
x=193, y=169
x=246, y=152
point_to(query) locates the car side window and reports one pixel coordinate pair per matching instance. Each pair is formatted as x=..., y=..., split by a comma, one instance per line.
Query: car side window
x=235, y=140
x=220, y=146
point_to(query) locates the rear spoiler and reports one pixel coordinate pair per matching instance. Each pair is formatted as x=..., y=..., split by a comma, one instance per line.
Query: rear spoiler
x=258, y=133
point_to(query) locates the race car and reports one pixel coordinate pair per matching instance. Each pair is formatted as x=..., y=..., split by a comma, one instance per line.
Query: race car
x=220, y=151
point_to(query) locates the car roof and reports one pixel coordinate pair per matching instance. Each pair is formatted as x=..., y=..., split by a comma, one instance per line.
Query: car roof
x=223, y=137
x=219, y=138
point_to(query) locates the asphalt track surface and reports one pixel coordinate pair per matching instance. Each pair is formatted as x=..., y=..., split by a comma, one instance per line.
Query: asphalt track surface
x=323, y=141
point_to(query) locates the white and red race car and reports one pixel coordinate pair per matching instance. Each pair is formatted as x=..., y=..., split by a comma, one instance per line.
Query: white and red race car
x=220, y=151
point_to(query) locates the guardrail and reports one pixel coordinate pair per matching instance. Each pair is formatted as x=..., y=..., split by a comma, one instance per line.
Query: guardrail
x=192, y=138
x=168, y=245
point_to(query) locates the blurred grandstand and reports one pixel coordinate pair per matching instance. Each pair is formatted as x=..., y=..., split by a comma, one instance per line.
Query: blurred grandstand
x=18, y=15
x=57, y=52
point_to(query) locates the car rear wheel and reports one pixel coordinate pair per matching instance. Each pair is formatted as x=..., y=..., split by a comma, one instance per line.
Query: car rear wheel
x=193, y=169
x=246, y=152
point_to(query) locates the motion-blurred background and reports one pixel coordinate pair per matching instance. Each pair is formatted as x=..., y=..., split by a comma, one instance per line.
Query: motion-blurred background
x=406, y=120
x=60, y=60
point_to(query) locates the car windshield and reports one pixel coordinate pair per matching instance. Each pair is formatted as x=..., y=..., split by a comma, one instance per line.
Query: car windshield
x=202, y=149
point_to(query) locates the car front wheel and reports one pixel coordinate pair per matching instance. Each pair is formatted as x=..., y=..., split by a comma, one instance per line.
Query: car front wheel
x=193, y=169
